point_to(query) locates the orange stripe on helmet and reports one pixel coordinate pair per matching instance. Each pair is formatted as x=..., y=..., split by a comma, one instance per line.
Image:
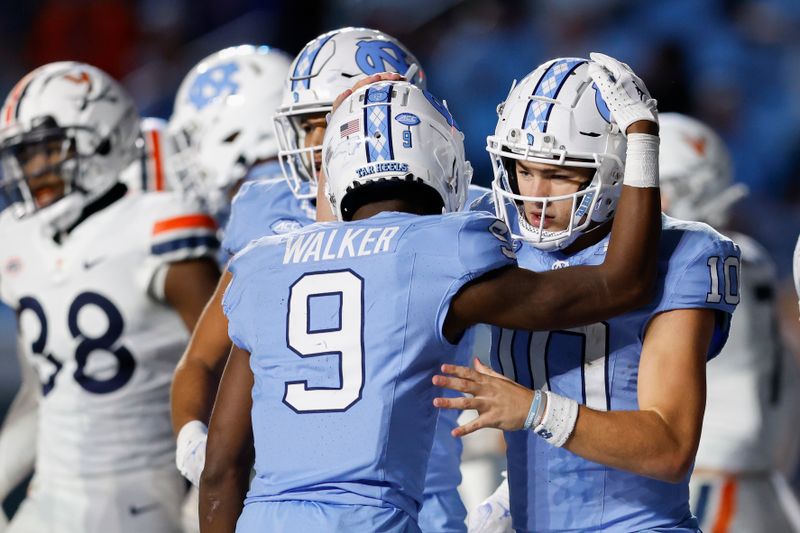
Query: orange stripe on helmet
x=13, y=98
x=154, y=140
x=184, y=222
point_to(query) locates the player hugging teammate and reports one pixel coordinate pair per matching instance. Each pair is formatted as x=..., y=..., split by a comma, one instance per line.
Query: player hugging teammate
x=354, y=277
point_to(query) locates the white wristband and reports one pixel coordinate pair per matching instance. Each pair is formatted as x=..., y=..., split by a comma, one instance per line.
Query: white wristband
x=641, y=161
x=559, y=420
x=190, y=453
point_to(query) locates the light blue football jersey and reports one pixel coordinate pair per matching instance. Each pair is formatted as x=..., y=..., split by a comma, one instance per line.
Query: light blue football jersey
x=264, y=207
x=553, y=489
x=343, y=323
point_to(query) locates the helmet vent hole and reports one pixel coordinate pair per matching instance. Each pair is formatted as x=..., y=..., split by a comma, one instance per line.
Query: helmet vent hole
x=104, y=147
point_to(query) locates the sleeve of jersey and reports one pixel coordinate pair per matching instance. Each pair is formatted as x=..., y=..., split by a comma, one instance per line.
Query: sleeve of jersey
x=707, y=279
x=232, y=299
x=189, y=234
x=236, y=229
x=483, y=245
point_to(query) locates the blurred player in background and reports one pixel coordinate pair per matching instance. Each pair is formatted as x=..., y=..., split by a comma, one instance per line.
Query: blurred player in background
x=342, y=414
x=105, y=285
x=611, y=443
x=219, y=139
x=751, y=390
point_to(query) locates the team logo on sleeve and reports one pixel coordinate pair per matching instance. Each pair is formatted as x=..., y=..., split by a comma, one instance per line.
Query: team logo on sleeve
x=285, y=225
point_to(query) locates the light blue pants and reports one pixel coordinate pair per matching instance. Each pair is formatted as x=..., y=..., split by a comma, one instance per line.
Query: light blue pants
x=291, y=516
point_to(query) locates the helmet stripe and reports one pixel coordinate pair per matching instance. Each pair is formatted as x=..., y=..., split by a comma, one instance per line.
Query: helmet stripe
x=377, y=125
x=12, y=105
x=549, y=86
x=305, y=62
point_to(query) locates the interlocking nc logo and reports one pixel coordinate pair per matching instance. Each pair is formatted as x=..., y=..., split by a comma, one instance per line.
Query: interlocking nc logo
x=377, y=56
x=212, y=84
x=544, y=434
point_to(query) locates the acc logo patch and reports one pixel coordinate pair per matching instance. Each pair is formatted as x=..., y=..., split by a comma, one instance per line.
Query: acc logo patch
x=285, y=225
x=409, y=119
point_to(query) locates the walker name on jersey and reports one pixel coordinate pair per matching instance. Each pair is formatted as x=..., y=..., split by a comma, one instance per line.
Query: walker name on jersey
x=338, y=244
x=376, y=168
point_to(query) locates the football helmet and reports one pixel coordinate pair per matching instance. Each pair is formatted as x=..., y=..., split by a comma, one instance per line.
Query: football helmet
x=150, y=171
x=68, y=131
x=394, y=133
x=556, y=116
x=220, y=125
x=326, y=67
x=696, y=171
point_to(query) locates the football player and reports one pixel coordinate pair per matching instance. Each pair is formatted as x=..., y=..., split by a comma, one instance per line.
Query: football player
x=216, y=144
x=750, y=392
x=105, y=285
x=324, y=68
x=363, y=312
x=602, y=421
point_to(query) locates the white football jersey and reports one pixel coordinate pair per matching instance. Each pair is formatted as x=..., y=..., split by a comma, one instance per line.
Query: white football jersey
x=744, y=392
x=102, y=343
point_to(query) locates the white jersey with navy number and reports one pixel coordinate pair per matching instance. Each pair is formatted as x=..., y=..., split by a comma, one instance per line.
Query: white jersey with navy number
x=92, y=325
x=344, y=326
x=263, y=207
x=553, y=489
x=744, y=384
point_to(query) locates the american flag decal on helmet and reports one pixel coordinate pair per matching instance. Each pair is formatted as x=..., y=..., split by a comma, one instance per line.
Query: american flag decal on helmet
x=349, y=128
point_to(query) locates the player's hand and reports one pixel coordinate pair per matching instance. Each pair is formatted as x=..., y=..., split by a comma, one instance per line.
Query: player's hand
x=493, y=515
x=501, y=403
x=624, y=92
x=190, y=454
x=375, y=78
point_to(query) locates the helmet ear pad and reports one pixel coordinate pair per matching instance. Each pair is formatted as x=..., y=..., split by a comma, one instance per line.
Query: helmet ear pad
x=410, y=190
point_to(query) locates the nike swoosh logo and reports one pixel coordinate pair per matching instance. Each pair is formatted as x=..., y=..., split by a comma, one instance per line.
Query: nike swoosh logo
x=92, y=263
x=134, y=510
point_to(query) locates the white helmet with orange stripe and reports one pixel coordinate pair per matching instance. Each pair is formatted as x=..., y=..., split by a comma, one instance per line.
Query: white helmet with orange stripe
x=68, y=131
x=696, y=171
x=151, y=171
x=221, y=123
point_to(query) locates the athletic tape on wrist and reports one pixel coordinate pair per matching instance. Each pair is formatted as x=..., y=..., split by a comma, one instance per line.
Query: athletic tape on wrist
x=559, y=419
x=641, y=162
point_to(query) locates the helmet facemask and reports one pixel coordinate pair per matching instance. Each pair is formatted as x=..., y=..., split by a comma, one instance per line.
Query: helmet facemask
x=42, y=166
x=556, y=117
x=301, y=164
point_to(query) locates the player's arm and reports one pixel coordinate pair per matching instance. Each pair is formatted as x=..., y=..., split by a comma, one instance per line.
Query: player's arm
x=659, y=440
x=224, y=481
x=196, y=380
x=517, y=298
x=188, y=285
